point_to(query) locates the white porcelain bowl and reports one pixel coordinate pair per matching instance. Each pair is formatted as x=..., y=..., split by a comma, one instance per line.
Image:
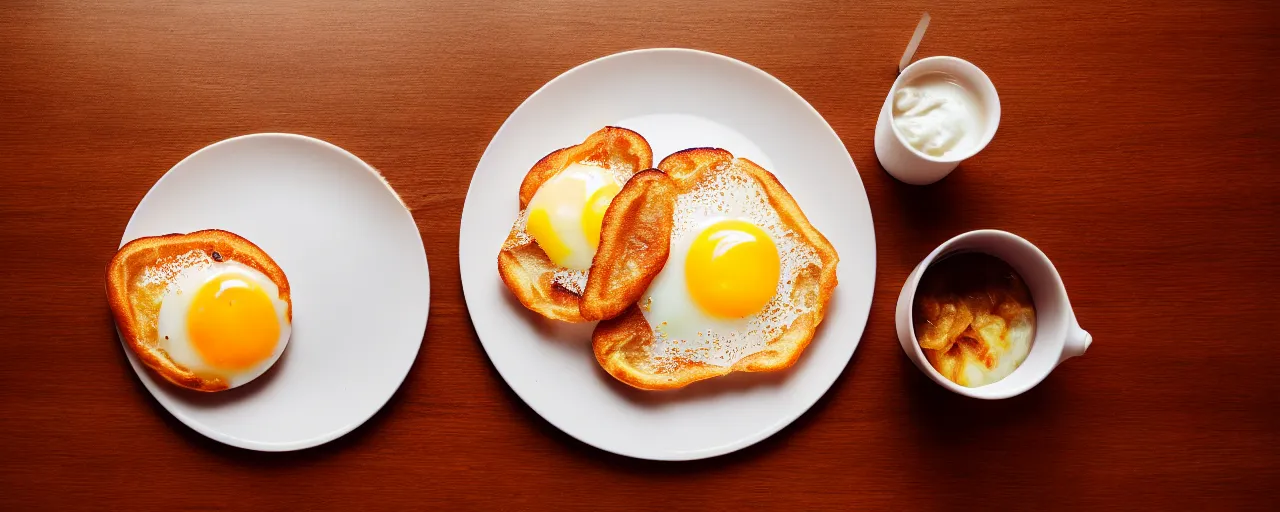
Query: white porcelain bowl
x=1058, y=335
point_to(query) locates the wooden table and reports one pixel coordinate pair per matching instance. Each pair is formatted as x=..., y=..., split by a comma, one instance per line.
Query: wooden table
x=1138, y=149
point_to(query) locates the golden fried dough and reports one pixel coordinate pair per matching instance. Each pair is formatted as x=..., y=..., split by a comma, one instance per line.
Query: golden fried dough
x=135, y=302
x=635, y=240
x=623, y=345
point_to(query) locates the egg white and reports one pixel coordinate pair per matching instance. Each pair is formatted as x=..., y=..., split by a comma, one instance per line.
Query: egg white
x=682, y=330
x=171, y=325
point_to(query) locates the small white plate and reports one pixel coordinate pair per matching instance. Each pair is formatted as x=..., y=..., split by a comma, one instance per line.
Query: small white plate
x=357, y=270
x=676, y=99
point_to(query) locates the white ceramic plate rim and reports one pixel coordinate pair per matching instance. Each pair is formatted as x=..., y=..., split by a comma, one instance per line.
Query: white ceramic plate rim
x=219, y=436
x=744, y=442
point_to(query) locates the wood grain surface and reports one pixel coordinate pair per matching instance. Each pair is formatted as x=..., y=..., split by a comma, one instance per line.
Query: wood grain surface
x=1138, y=148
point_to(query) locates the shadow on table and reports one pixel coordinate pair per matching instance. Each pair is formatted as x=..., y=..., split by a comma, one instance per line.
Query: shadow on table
x=927, y=212
x=960, y=443
x=942, y=417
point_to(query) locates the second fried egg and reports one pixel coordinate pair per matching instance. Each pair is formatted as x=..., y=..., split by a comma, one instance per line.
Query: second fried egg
x=726, y=290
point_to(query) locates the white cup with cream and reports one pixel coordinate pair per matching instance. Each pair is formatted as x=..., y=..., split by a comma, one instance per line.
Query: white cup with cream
x=940, y=111
x=1057, y=335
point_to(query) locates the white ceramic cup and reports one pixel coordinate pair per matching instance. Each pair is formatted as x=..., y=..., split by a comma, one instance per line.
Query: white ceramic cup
x=1058, y=335
x=910, y=165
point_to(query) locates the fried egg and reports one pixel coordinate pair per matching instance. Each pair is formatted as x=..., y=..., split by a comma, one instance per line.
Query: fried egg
x=565, y=215
x=726, y=289
x=221, y=318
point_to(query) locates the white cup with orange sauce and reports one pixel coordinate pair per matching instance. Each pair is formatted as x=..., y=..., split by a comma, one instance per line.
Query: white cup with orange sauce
x=1057, y=337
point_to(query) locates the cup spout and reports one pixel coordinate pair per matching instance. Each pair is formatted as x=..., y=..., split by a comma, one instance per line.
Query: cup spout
x=1078, y=341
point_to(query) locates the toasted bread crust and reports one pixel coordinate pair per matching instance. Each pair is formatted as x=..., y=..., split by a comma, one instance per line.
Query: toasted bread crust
x=622, y=344
x=604, y=146
x=136, y=305
x=635, y=240
x=525, y=268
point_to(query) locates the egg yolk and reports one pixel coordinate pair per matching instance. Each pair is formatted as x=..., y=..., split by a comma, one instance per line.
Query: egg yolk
x=232, y=322
x=593, y=215
x=732, y=269
x=544, y=233
x=566, y=214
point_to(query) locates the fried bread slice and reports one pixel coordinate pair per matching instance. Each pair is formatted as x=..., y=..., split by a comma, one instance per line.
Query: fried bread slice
x=622, y=345
x=135, y=295
x=626, y=259
x=635, y=240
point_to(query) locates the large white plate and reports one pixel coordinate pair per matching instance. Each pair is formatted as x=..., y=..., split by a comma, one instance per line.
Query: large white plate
x=676, y=99
x=356, y=267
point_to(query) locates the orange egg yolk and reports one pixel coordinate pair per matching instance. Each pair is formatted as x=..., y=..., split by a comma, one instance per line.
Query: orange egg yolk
x=732, y=269
x=593, y=214
x=232, y=322
x=544, y=233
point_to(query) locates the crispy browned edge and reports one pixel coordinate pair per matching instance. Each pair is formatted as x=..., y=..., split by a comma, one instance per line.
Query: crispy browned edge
x=619, y=341
x=635, y=240
x=525, y=269
x=137, y=327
